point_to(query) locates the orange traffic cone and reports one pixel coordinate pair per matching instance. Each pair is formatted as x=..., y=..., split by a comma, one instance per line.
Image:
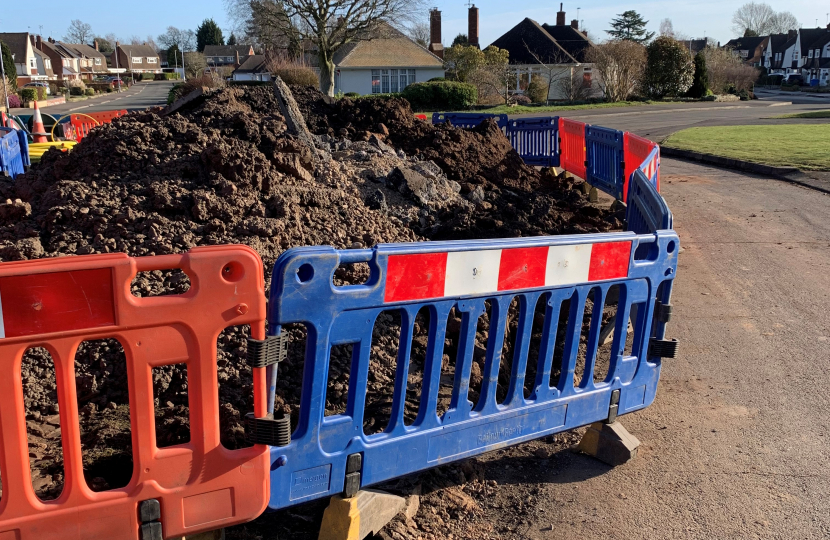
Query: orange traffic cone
x=38, y=131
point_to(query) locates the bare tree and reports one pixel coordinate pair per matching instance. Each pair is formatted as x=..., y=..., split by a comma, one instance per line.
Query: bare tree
x=727, y=72
x=761, y=19
x=329, y=25
x=667, y=28
x=78, y=32
x=572, y=86
x=783, y=22
x=149, y=41
x=620, y=65
x=558, y=73
x=419, y=33
x=185, y=40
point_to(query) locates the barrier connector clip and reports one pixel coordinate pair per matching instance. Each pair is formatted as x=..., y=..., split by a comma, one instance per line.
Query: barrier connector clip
x=661, y=348
x=263, y=353
x=269, y=430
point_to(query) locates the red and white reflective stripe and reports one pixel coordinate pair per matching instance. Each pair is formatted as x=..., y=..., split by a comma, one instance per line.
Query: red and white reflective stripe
x=57, y=302
x=475, y=273
x=650, y=168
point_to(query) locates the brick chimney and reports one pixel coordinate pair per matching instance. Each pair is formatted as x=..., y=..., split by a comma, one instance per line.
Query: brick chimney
x=51, y=40
x=237, y=59
x=435, y=45
x=39, y=43
x=575, y=24
x=95, y=43
x=560, y=16
x=473, y=27
x=792, y=33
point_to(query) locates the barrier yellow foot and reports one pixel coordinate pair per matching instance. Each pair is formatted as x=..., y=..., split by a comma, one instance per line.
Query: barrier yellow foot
x=357, y=517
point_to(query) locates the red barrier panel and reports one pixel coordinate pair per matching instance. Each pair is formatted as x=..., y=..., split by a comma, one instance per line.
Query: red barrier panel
x=83, y=123
x=572, y=147
x=57, y=304
x=636, y=150
x=421, y=117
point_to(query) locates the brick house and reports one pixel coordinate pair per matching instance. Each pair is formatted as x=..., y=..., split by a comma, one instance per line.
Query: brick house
x=25, y=61
x=92, y=62
x=65, y=64
x=136, y=58
x=227, y=55
x=751, y=49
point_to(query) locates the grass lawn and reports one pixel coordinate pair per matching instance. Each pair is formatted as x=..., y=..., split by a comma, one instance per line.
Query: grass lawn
x=802, y=146
x=814, y=114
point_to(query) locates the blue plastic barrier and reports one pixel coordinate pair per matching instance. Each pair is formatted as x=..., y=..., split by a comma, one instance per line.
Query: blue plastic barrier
x=536, y=140
x=440, y=276
x=11, y=162
x=647, y=210
x=605, y=159
x=469, y=120
x=23, y=139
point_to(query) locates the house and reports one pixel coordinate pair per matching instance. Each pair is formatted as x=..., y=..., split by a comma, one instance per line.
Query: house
x=694, y=46
x=774, y=53
x=227, y=55
x=136, y=58
x=387, y=62
x=44, y=65
x=252, y=69
x=816, y=62
x=554, y=52
x=25, y=61
x=92, y=62
x=65, y=64
x=750, y=49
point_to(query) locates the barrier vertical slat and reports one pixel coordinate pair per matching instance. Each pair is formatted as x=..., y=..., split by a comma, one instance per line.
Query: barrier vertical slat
x=573, y=156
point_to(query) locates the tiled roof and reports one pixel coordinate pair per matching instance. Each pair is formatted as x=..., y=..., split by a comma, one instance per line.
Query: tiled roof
x=253, y=64
x=16, y=42
x=570, y=39
x=139, y=50
x=390, y=49
x=227, y=50
x=809, y=36
x=84, y=50
x=529, y=43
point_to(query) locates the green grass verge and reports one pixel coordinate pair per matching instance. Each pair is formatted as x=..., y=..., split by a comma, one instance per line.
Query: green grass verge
x=801, y=146
x=524, y=109
x=814, y=114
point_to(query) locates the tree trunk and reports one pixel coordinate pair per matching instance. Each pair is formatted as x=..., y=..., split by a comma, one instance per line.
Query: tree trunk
x=326, y=75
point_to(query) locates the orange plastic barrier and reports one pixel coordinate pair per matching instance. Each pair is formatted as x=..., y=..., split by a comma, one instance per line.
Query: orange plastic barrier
x=83, y=123
x=636, y=151
x=57, y=304
x=572, y=147
x=421, y=117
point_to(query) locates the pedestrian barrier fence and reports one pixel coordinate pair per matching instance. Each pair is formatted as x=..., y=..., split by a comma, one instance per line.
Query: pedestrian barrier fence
x=647, y=212
x=638, y=154
x=11, y=161
x=23, y=139
x=605, y=165
x=574, y=152
x=470, y=120
x=180, y=490
x=536, y=140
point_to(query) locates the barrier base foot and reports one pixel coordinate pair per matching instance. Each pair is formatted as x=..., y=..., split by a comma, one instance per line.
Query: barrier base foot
x=609, y=443
x=359, y=516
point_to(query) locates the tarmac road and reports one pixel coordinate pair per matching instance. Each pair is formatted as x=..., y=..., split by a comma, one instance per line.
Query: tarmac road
x=736, y=445
x=138, y=97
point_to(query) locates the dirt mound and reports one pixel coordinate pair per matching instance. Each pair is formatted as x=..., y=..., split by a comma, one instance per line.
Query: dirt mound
x=222, y=170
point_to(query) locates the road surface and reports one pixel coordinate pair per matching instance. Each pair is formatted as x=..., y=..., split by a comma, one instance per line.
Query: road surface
x=138, y=97
x=736, y=445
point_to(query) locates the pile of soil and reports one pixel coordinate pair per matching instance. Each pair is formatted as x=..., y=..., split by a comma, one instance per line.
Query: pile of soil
x=224, y=169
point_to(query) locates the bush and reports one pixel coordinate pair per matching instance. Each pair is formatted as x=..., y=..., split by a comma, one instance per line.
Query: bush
x=14, y=101
x=147, y=77
x=42, y=93
x=700, y=83
x=669, y=68
x=298, y=75
x=441, y=95
x=437, y=79
x=89, y=91
x=54, y=89
x=537, y=91
x=28, y=94
x=519, y=99
x=352, y=95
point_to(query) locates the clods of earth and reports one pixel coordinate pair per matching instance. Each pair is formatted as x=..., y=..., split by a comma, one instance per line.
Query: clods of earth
x=224, y=169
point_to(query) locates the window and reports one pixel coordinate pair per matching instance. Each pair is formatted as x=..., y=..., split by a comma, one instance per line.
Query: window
x=810, y=54
x=137, y=60
x=411, y=76
x=229, y=59
x=403, y=80
x=152, y=60
x=66, y=62
x=33, y=62
x=384, y=79
x=376, y=81
x=744, y=54
x=97, y=61
x=47, y=63
x=393, y=76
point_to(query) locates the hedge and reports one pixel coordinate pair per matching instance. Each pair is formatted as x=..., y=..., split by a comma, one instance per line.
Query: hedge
x=28, y=95
x=441, y=95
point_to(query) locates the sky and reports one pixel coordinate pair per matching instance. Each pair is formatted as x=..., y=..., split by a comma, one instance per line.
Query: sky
x=694, y=18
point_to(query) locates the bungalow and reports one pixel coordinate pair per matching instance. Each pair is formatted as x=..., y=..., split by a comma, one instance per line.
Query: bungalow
x=227, y=55
x=557, y=52
x=388, y=62
x=252, y=69
x=136, y=58
x=25, y=61
x=750, y=49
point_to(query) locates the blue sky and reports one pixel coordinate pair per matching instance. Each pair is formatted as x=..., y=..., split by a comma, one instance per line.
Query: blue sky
x=150, y=17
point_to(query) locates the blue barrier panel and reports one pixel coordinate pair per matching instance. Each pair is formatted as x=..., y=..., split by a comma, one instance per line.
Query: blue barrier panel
x=605, y=159
x=536, y=140
x=469, y=120
x=11, y=162
x=23, y=139
x=465, y=276
x=647, y=210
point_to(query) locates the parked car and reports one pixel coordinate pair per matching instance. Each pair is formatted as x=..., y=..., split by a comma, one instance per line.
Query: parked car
x=38, y=84
x=794, y=79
